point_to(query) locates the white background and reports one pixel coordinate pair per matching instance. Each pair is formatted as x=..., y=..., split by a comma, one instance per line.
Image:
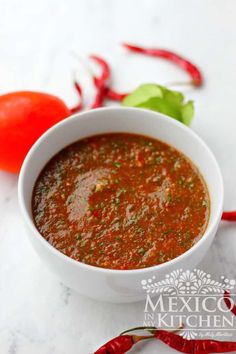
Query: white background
x=38, y=314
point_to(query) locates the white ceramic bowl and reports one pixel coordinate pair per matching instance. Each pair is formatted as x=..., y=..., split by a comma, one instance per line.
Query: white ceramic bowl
x=106, y=284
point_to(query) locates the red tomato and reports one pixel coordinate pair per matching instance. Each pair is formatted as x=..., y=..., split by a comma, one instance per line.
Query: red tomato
x=24, y=117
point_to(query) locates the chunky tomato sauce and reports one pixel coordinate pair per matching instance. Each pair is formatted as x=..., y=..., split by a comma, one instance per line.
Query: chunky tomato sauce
x=121, y=201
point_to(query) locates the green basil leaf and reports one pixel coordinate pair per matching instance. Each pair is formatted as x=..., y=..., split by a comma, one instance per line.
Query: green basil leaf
x=187, y=112
x=142, y=94
x=160, y=99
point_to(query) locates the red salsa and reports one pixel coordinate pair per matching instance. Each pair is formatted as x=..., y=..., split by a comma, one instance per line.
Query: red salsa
x=121, y=201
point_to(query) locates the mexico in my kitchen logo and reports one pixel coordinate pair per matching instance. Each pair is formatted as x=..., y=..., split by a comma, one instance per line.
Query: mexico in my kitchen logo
x=192, y=300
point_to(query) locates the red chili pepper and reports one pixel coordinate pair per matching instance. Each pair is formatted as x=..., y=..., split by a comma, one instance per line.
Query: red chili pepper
x=105, y=75
x=99, y=98
x=194, y=346
x=123, y=343
x=229, y=302
x=101, y=81
x=79, y=106
x=229, y=215
x=115, y=96
x=120, y=345
x=185, y=64
x=101, y=84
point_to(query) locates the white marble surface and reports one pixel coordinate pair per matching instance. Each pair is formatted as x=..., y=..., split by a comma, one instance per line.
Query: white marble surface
x=38, y=314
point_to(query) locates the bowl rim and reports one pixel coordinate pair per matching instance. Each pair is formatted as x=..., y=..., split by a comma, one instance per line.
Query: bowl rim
x=117, y=272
